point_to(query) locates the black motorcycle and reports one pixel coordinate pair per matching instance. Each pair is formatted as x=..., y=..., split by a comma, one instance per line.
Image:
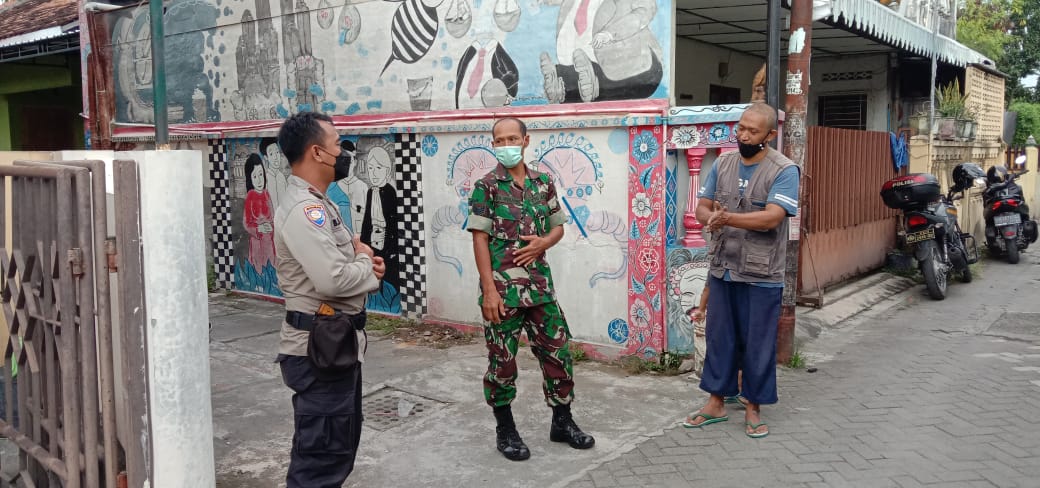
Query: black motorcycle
x=1008, y=226
x=931, y=227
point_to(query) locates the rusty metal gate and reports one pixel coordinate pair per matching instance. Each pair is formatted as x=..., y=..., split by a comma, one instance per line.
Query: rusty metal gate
x=847, y=230
x=60, y=387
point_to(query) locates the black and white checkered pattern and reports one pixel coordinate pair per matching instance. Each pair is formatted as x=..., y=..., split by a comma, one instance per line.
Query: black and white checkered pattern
x=412, y=240
x=220, y=199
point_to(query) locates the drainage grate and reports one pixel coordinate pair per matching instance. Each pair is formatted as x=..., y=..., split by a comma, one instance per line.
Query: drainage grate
x=389, y=407
x=1021, y=323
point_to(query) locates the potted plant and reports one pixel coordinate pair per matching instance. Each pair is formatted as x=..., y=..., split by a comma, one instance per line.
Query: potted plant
x=969, y=119
x=950, y=110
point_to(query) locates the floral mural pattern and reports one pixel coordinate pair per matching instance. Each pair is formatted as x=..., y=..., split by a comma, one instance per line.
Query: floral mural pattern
x=645, y=330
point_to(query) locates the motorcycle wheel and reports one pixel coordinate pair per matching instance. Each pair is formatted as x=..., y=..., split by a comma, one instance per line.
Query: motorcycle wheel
x=934, y=279
x=1012, y=250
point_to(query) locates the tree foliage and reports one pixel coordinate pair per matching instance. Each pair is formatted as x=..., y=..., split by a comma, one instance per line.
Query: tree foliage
x=1008, y=32
x=1028, y=121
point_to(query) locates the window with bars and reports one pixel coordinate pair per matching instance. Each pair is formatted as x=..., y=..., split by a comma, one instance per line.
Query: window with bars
x=843, y=111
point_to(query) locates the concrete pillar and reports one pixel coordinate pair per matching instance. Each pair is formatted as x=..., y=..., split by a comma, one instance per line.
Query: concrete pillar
x=693, y=238
x=176, y=317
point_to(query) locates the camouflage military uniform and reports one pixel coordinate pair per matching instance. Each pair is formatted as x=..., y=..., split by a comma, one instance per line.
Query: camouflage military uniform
x=505, y=212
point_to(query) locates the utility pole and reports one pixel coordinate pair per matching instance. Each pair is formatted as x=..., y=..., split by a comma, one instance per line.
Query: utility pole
x=799, y=56
x=773, y=55
x=162, y=139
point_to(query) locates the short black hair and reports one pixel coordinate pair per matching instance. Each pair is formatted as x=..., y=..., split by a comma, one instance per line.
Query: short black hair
x=252, y=162
x=298, y=132
x=523, y=126
x=265, y=143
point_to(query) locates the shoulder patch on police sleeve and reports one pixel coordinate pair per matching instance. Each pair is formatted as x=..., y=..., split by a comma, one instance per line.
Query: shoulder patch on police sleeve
x=316, y=214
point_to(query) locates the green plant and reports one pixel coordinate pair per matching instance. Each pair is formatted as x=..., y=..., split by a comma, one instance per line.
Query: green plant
x=211, y=278
x=796, y=361
x=578, y=353
x=666, y=363
x=1028, y=121
x=950, y=102
x=382, y=323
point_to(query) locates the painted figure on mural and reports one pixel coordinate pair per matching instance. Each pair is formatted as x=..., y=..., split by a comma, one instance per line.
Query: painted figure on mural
x=486, y=77
x=276, y=169
x=305, y=74
x=189, y=90
x=258, y=68
x=379, y=217
x=515, y=217
x=339, y=192
x=258, y=215
x=605, y=50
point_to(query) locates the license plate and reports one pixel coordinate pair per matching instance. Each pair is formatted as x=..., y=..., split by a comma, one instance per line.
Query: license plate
x=923, y=235
x=1007, y=219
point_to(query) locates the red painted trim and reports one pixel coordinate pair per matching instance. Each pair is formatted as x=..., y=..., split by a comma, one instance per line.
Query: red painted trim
x=266, y=298
x=647, y=107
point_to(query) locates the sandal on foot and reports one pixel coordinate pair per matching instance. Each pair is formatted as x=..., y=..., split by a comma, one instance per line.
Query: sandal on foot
x=738, y=398
x=754, y=427
x=708, y=419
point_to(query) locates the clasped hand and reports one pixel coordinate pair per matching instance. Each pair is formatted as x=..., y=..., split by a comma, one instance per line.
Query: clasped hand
x=535, y=247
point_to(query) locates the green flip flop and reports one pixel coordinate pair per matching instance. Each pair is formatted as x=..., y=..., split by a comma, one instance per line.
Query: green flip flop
x=708, y=419
x=754, y=427
x=738, y=398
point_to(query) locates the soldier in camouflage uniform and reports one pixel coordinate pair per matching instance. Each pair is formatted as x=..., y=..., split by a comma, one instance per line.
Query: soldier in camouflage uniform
x=514, y=218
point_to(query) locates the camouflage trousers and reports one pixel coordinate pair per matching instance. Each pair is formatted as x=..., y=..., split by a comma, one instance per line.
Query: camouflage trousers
x=548, y=335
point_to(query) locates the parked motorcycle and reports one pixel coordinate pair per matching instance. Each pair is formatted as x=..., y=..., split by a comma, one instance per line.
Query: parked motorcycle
x=940, y=247
x=1008, y=227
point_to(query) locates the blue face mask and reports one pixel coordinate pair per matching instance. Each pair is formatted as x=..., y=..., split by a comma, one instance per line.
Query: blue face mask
x=509, y=156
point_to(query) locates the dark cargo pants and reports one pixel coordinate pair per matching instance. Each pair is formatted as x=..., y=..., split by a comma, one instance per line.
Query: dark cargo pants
x=327, y=420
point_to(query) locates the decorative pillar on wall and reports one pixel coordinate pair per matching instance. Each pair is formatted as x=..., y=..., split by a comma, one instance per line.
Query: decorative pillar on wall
x=694, y=158
x=646, y=188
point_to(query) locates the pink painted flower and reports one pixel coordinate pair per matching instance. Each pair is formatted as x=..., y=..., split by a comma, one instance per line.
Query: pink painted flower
x=649, y=261
x=639, y=314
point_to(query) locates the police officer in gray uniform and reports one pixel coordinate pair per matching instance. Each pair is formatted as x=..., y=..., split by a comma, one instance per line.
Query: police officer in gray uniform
x=325, y=273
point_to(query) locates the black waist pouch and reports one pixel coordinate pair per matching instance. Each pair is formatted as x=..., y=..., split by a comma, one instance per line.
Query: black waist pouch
x=333, y=344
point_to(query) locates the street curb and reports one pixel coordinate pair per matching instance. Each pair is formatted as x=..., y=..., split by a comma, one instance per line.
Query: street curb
x=847, y=301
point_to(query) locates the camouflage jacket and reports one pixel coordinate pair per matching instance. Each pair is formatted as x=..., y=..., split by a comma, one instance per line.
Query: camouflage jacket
x=505, y=212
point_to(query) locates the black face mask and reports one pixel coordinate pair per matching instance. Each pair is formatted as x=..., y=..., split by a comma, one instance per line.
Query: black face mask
x=748, y=151
x=342, y=167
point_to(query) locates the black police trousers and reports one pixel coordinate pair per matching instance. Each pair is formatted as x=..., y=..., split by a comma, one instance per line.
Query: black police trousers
x=327, y=424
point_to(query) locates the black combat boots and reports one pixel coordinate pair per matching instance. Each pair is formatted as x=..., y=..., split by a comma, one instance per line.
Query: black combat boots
x=508, y=439
x=565, y=430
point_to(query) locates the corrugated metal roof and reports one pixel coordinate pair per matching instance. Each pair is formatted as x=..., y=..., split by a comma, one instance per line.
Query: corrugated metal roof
x=892, y=28
x=35, y=19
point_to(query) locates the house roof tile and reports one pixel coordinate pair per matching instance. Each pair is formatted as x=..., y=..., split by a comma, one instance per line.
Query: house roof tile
x=24, y=16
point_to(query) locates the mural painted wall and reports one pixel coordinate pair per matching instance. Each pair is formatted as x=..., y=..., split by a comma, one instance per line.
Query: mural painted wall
x=234, y=60
x=590, y=264
x=370, y=196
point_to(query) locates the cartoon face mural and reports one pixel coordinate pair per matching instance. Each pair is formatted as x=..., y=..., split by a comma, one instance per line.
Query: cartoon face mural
x=271, y=59
x=687, y=274
x=190, y=27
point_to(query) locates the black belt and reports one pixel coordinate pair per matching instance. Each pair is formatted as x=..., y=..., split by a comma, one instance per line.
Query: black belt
x=305, y=321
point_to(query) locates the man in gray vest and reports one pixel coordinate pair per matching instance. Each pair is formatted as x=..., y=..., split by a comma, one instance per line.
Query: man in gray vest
x=745, y=201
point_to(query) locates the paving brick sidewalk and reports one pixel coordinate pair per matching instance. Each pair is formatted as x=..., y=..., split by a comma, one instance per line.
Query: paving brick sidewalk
x=929, y=394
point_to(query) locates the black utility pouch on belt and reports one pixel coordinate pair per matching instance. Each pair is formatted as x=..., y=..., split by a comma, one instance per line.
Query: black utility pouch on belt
x=333, y=344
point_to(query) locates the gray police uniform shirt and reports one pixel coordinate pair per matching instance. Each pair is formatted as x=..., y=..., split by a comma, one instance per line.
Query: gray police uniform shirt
x=316, y=262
